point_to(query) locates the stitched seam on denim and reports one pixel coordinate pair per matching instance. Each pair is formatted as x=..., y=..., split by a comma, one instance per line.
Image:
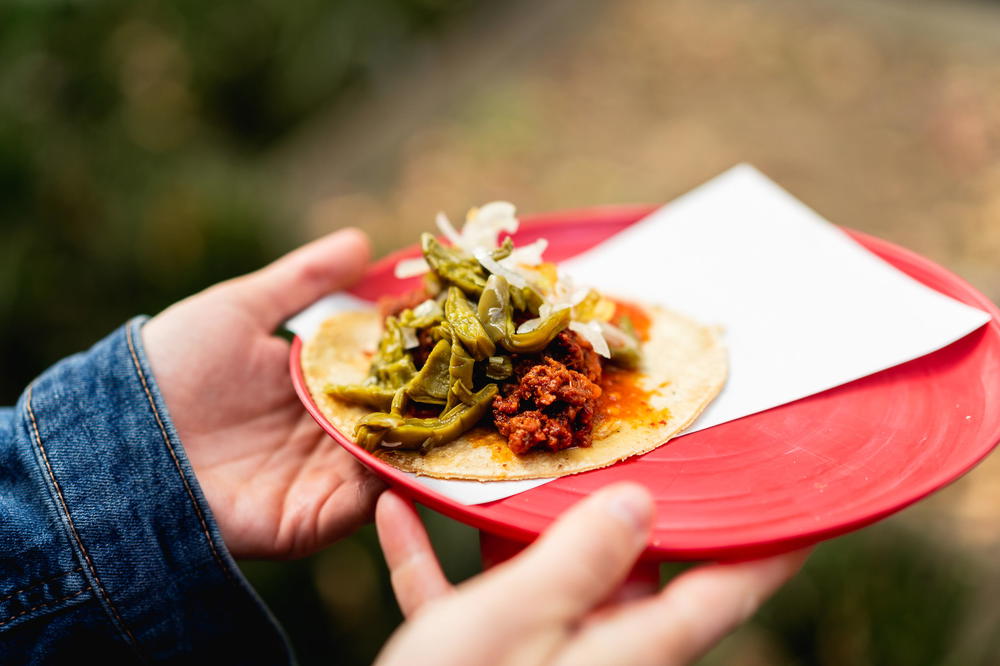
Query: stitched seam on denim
x=43, y=605
x=173, y=455
x=72, y=525
x=41, y=582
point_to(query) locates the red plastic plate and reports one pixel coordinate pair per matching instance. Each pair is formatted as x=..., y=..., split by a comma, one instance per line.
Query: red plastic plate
x=773, y=481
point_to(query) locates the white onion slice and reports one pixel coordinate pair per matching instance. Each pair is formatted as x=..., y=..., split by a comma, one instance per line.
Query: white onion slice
x=495, y=267
x=591, y=332
x=407, y=268
x=577, y=296
x=616, y=336
x=530, y=325
x=410, y=340
x=428, y=307
x=567, y=292
x=497, y=214
x=545, y=311
x=530, y=255
x=483, y=227
x=444, y=224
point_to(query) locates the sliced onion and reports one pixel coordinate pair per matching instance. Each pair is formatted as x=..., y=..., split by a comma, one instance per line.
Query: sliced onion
x=407, y=268
x=410, y=340
x=616, y=337
x=482, y=229
x=428, y=307
x=591, y=332
x=444, y=224
x=530, y=255
x=530, y=325
x=578, y=296
x=497, y=214
x=483, y=226
x=566, y=291
x=495, y=267
x=545, y=311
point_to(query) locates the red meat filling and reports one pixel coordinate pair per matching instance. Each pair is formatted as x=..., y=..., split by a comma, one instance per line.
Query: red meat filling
x=552, y=404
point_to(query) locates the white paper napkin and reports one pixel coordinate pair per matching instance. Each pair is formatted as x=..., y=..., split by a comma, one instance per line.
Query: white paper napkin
x=804, y=307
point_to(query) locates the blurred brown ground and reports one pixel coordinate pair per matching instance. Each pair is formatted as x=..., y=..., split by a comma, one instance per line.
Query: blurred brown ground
x=881, y=117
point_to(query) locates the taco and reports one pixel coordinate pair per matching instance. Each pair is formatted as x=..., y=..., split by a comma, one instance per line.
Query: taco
x=500, y=368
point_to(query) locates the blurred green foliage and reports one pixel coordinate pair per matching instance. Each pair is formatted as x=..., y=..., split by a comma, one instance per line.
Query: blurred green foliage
x=883, y=596
x=131, y=136
x=132, y=143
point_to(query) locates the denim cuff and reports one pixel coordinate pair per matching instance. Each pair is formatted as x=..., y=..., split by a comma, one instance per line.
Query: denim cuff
x=141, y=534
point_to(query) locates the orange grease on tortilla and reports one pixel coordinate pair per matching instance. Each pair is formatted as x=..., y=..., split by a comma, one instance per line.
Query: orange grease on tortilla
x=624, y=399
x=497, y=443
x=636, y=314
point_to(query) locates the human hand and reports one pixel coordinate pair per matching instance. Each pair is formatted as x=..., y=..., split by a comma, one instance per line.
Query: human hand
x=277, y=485
x=556, y=603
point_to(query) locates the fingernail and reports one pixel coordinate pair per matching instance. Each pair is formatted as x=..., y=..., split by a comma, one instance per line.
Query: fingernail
x=633, y=505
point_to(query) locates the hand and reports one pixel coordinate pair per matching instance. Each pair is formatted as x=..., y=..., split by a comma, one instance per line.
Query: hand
x=277, y=485
x=555, y=603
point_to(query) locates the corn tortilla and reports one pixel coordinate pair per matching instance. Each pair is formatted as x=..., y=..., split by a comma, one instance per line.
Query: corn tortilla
x=684, y=367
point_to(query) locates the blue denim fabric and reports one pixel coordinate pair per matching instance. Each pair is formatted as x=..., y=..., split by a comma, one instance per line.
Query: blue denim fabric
x=108, y=549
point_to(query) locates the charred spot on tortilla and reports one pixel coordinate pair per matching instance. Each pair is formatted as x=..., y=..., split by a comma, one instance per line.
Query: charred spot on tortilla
x=499, y=367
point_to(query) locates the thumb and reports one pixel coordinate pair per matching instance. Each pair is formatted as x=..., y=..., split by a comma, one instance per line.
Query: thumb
x=584, y=555
x=414, y=569
x=289, y=284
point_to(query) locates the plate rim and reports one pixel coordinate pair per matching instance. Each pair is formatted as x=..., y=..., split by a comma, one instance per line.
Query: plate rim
x=479, y=515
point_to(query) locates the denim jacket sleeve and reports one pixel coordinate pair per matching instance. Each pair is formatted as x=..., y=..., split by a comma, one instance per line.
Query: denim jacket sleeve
x=106, y=541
